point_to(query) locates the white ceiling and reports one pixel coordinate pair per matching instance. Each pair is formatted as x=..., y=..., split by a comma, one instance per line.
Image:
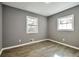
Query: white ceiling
x=42, y=8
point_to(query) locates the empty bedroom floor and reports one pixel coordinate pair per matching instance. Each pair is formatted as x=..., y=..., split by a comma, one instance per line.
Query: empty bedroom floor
x=41, y=49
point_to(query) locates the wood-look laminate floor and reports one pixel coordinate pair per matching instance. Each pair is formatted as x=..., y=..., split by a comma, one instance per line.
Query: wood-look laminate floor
x=41, y=49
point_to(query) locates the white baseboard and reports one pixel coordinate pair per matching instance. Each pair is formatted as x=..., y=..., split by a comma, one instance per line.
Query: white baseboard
x=1, y=51
x=64, y=44
x=37, y=42
x=23, y=44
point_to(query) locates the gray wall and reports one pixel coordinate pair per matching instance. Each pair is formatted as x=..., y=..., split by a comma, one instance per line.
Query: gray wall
x=14, y=26
x=71, y=38
x=0, y=26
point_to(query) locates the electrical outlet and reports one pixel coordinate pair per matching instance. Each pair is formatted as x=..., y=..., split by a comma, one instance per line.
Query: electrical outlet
x=32, y=39
x=63, y=39
x=20, y=41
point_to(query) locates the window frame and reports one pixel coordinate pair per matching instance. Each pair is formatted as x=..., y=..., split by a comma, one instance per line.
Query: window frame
x=32, y=25
x=72, y=15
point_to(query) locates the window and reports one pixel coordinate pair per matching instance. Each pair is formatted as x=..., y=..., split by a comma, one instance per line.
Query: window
x=32, y=24
x=66, y=23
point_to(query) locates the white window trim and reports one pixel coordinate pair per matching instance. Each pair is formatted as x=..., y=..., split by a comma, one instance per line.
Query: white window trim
x=27, y=26
x=66, y=29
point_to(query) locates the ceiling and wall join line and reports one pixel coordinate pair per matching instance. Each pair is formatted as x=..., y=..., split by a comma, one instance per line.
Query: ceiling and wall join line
x=42, y=8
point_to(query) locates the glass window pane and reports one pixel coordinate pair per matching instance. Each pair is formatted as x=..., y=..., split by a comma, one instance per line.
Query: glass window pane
x=66, y=23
